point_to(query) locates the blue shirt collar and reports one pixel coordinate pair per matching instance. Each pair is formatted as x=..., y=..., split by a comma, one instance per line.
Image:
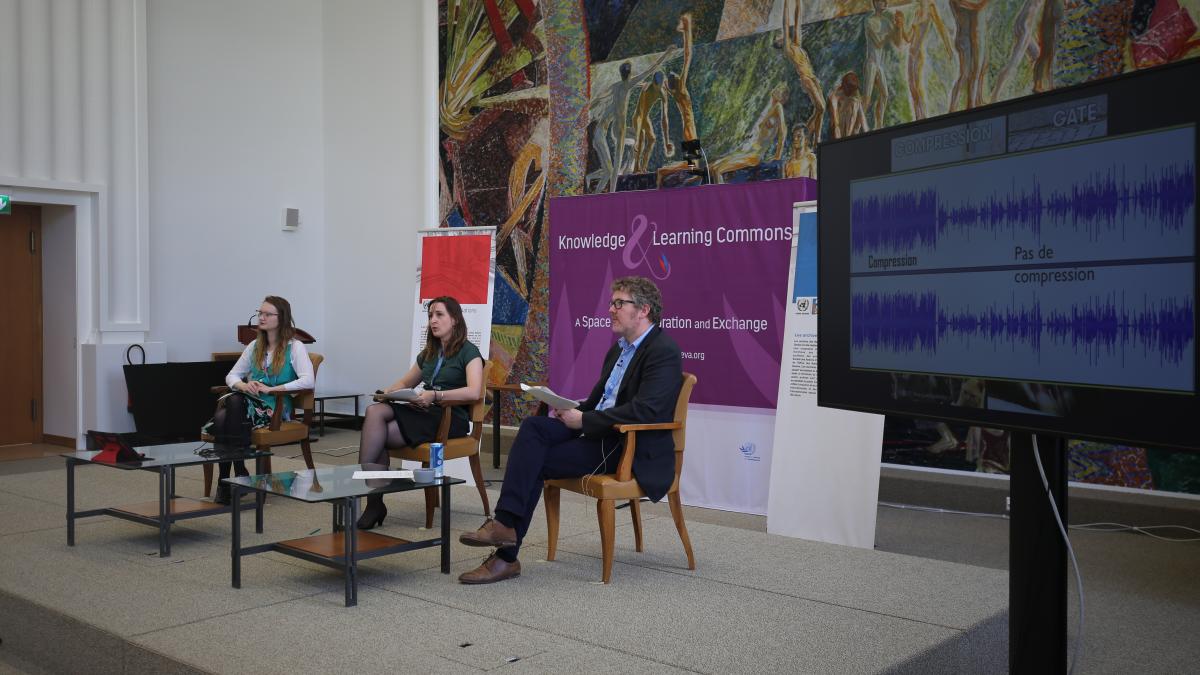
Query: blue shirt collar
x=636, y=343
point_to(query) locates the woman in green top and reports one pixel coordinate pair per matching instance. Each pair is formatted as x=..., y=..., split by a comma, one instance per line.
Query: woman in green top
x=451, y=369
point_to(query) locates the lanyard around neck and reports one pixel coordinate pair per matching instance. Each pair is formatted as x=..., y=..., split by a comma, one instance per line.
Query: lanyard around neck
x=437, y=368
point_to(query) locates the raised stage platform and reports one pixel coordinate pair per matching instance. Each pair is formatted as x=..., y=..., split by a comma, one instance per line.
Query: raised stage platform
x=755, y=603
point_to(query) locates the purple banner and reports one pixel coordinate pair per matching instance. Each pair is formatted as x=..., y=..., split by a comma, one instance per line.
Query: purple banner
x=720, y=255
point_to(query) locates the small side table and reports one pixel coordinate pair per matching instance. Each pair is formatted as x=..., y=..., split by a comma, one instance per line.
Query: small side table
x=497, y=389
x=320, y=412
x=169, y=508
x=345, y=546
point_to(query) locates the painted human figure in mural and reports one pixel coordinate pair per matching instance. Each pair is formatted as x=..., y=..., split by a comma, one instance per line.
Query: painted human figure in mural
x=925, y=15
x=972, y=51
x=802, y=161
x=847, y=115
x=1043, y=67
x=677, y=87
x=608, y=111
x=880, y=32
x=790, y=42
x=770, y=130
x=990, y=449
x=654, y=93
x=971, y=394
x=1025, y=28
x=1036, y=32
x=987, y=448
x=677, y=83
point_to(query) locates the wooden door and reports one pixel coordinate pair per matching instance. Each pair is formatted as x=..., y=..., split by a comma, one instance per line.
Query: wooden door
x=21, y=318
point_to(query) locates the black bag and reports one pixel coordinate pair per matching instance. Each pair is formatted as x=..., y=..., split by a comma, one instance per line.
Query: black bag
x=232, y=429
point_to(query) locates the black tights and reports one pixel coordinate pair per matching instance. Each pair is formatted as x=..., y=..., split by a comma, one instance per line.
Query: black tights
x=239, y=468
x=223, y=467
x=379, y=432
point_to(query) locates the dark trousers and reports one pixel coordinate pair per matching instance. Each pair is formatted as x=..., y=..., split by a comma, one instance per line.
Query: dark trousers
x=545, y=448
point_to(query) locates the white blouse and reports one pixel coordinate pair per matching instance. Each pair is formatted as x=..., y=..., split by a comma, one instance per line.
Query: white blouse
x=300, y=362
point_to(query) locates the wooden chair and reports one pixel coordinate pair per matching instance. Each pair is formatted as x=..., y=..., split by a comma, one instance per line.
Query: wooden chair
x=280, y=431
x=608, y=488
x=454, y=448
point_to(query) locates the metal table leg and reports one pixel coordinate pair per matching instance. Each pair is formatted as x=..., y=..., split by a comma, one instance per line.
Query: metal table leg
x=236, y=551
x=445, y=528
x=350, y=550
x=259, y=498
x=71, y=501
x=164, y=522
x=170, y=498
x=321, y=415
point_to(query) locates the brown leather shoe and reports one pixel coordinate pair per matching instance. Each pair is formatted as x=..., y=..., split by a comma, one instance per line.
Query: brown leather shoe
x=492, y=570
x=492, y=533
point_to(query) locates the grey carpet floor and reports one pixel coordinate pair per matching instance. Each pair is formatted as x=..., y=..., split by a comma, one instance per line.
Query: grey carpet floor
x=757, y=603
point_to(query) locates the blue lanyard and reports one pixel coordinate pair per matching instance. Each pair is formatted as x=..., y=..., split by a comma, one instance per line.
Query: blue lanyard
x=436, y=368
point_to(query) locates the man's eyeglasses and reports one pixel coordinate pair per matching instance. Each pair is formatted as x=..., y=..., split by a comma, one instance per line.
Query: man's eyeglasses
x=263, y=315
x=618, y=303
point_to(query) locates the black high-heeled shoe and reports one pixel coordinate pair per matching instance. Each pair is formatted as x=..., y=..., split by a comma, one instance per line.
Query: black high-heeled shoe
x=373, y=515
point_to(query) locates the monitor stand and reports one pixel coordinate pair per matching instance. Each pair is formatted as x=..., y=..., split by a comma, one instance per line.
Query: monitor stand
x=1037, y=563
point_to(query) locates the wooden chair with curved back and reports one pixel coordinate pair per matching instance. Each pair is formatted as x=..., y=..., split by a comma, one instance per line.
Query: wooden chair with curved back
x=280, y=431
x=606, y=489
x=454, y=448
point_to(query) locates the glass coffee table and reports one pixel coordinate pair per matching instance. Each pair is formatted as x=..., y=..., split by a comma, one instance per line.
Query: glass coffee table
x=169, y=507
x=345, y=546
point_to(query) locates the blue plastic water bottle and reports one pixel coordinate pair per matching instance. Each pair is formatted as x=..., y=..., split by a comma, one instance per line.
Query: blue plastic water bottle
x=436, y=454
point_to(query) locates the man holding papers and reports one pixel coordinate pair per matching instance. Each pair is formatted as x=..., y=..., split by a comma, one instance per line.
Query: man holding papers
x=638, y=384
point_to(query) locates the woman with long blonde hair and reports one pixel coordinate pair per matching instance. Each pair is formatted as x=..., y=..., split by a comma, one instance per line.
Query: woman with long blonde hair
x=275, y=363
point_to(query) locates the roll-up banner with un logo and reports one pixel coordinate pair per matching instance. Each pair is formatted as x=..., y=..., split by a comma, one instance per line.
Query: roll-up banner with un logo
x=459, y=262
x=825, y=467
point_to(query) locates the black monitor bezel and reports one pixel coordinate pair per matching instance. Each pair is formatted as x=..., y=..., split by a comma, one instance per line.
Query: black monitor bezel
x=1115, y=415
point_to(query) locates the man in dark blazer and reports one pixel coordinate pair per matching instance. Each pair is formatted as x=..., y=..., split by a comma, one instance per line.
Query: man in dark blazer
x=638, y=384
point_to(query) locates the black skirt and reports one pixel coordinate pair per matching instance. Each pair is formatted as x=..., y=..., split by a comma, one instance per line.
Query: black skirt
x=420, y=426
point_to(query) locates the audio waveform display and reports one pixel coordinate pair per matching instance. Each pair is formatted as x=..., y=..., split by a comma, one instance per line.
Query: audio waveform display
x=1120, y=198
x=1128, y=332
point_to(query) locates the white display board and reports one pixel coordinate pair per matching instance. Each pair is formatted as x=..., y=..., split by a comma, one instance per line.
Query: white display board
x=825, y=463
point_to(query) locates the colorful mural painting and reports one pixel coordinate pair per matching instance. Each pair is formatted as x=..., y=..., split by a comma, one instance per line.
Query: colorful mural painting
x=543, y=98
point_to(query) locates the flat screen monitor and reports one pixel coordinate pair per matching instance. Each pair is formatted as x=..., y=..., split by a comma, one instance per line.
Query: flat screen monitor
x=1027, y=265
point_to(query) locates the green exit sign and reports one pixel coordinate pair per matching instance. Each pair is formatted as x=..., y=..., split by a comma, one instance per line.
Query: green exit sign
x=5, y=205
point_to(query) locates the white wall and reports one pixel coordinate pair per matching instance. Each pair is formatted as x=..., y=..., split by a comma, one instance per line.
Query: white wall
x=73, y=132
x=179, y=131
x=378, y=128
x=235, y=100
x=324, y=106
x=73, y=117
x=59, y=326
